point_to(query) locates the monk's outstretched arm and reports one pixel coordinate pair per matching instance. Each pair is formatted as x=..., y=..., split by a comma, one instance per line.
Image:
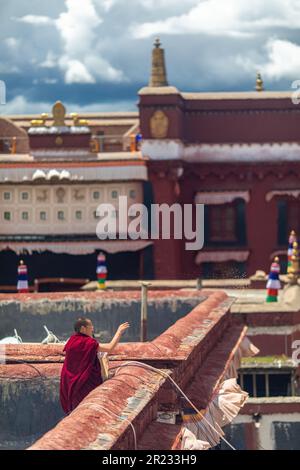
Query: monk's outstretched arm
x=110, y=346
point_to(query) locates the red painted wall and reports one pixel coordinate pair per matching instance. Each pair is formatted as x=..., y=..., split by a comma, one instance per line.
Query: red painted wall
x=222, y=121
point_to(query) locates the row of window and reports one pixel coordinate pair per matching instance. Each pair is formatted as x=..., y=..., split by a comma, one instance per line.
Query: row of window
x=268, y=384
x=60, y=215
x=96, y=195
x=43, y=216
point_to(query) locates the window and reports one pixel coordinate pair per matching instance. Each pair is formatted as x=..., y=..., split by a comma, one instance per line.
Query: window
x=279, y=385
x=4, y=146
x=7, y=216
x=293, y=216
x=96, y=195
x=24, y=196
x=288, y=219
x=261, y=385
x=61, y=215
x=25, y=216
x=132, y=194
x=246, y=383
x=43, y=215
x=78, y=215
x=222, y=223
x=266, y=383
x=114, y=194
x=7, y=196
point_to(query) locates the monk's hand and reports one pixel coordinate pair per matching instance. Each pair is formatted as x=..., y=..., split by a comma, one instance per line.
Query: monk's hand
x=123, y=327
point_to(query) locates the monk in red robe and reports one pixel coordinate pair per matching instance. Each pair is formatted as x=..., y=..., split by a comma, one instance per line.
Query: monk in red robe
x=81, y=372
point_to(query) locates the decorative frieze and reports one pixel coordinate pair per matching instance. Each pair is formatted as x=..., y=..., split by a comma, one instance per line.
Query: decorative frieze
x=60, y=209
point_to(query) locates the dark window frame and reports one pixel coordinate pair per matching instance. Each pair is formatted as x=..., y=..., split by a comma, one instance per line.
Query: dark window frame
x=240, y=239
x=243, y=375
x=284, y=223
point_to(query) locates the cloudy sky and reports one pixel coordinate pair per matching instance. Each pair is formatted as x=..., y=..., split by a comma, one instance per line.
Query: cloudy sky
x=94, y=55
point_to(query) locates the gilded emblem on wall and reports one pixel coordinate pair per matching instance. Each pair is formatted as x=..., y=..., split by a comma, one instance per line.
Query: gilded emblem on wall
x=159, y=125
x=78, y=195
x=60, y=194
x=42, y=195
x=59, y=140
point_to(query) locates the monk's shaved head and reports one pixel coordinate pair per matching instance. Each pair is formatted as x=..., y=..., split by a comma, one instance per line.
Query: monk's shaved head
x=81, y=322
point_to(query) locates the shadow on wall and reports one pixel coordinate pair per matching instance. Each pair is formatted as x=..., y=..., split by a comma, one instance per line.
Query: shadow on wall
x=28, y=409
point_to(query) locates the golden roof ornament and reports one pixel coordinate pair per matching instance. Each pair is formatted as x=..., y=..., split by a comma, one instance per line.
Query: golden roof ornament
x=158, y=71
x=159, y=125
x=259, y=82
x=59, y=113
x=37, y=123
x=59, y=140
x=295, y=268
x=292, y=239
x=44, y=117
x=77, y=121
x=75, y=118
x=41, y=122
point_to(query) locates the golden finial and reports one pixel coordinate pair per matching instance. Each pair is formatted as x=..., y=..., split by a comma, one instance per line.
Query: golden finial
x=158, y=72
x=75, y=118
x=77, y=121
x=294, y=269
x=59, y=113
x=259, y=82
x=157, y=43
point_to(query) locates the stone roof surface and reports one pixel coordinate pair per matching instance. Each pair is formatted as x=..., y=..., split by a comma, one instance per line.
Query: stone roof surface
x=136, y=393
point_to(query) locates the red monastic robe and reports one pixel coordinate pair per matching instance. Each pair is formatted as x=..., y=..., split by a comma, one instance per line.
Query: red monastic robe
x=81, y=372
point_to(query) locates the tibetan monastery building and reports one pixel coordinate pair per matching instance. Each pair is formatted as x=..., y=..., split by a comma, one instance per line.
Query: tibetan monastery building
x=238, y=153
